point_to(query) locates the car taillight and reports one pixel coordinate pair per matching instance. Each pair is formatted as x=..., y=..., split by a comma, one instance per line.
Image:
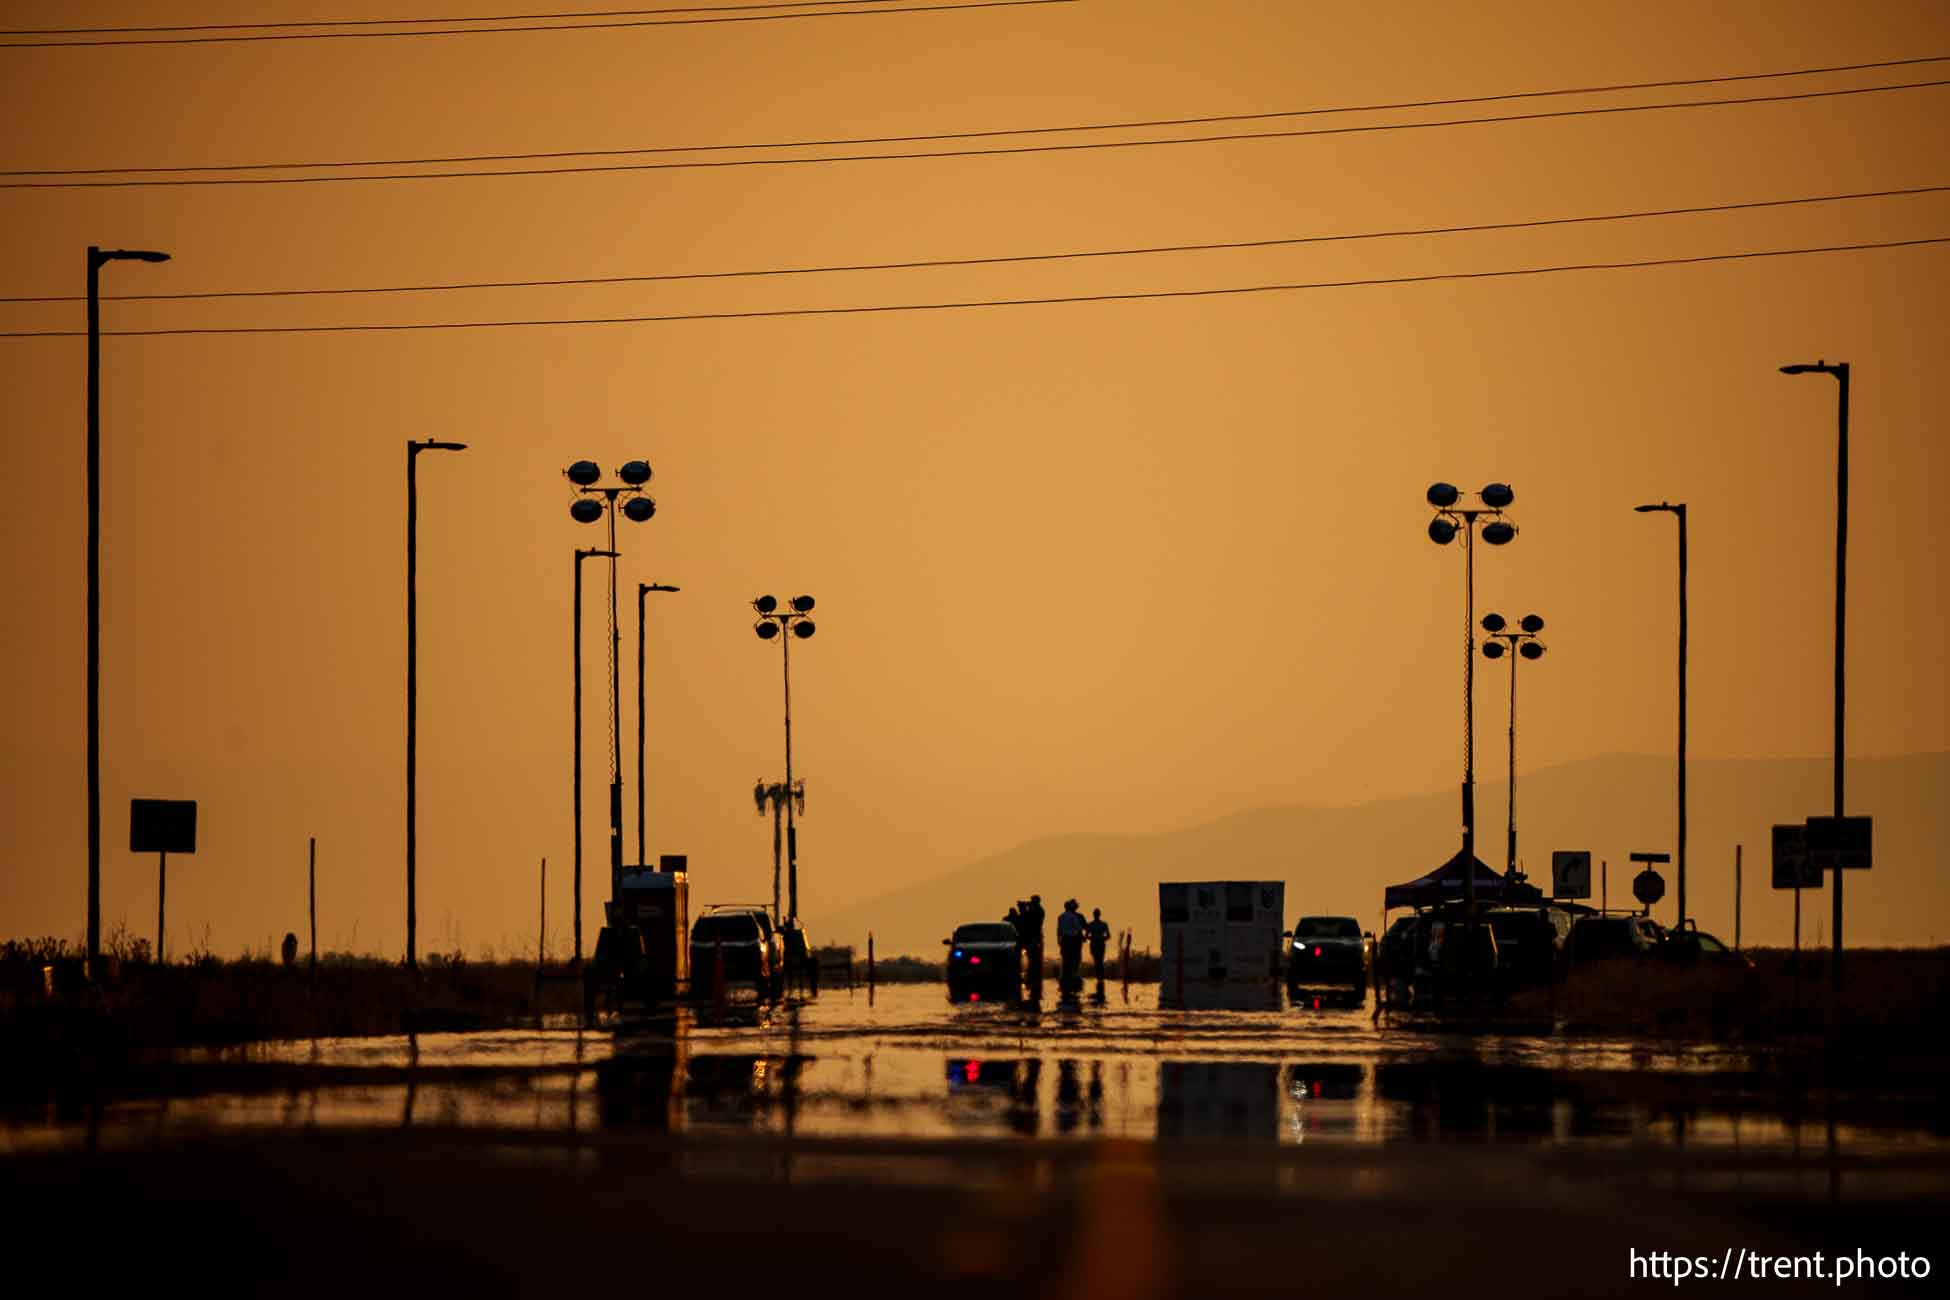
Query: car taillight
x=1316, y=950
x=974, y=961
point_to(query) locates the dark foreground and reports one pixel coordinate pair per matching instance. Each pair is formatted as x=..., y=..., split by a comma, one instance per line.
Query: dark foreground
x=458, y=1212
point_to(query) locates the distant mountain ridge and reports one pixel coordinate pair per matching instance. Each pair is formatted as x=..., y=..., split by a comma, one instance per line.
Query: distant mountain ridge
x=1338, y=860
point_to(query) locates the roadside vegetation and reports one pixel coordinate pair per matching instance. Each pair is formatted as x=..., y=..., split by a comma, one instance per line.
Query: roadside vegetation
x=1891, y=1003
x=49, y=1012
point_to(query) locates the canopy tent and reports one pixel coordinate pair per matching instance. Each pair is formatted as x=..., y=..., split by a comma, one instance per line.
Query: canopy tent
x=1446, y=884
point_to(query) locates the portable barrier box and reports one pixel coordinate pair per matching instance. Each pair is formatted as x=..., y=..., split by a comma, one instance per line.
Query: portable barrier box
x=1219, y=934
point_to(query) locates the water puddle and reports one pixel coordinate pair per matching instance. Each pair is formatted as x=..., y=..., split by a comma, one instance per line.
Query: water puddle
x=905, y=1063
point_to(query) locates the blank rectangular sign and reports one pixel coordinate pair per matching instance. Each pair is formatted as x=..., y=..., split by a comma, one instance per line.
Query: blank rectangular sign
x=1839, y=843
x=162, y=825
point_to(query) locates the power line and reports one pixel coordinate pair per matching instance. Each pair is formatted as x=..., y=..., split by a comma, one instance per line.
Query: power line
x=875, y=308
x=607, y=24
x=843, y=141
x=1004, y=259
x=1229, y=137
x=445, y=18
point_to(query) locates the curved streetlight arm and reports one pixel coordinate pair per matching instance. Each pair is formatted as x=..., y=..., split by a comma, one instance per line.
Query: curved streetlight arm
x=101, y=255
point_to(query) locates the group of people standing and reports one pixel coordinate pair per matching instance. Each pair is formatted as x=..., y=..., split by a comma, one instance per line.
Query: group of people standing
x=1072, y=933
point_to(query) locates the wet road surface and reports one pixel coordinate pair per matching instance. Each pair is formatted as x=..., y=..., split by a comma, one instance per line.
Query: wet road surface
x=899, y=1145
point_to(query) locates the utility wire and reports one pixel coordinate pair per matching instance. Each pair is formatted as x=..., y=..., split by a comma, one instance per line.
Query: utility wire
x=846, y=141
x=444, y=18
x=1229, y=137
x=606, y=24
x=875, y=308
x=1005, y=259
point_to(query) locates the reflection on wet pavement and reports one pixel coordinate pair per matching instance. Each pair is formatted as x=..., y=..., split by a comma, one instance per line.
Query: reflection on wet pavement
x=906, y=1064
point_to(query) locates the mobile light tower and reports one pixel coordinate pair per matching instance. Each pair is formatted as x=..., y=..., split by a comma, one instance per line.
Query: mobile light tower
x=413, y=450
x=1521, y=644
x=97, y=259
x=595, y=501
x=1840, y=372
x=642, y=589
x=784, y=625
x=1679, y=510
x=1451, y=518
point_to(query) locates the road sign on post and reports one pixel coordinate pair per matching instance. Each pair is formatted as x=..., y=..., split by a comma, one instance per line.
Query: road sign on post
x=1571, y=873
x=1648, y=886
x=1839, y=843
x=162, y=827
x=1792, y=869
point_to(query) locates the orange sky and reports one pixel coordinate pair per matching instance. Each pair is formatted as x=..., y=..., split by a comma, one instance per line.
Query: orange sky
x=1083, y=567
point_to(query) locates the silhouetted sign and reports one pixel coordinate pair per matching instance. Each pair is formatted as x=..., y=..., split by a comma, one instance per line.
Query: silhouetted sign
x=1839, y=843
x=1792, y=870
x=162, y=825
x=672, y=863
x=1571, y=873
x=1648, y=886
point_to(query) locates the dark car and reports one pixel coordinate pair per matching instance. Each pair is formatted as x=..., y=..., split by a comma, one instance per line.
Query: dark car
x=1529, y=943
x=1612, y=938
x=1693, y=947
x=1327, y=950
x=984, y=961
x=745, y=941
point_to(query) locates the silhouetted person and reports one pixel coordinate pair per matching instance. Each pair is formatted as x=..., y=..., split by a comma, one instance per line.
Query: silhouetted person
x=1099, y=935
x=289, y=949
x=1070, y=929
x=1032, y=937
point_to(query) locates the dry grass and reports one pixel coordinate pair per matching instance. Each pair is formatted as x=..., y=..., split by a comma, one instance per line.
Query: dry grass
x=138, y=1005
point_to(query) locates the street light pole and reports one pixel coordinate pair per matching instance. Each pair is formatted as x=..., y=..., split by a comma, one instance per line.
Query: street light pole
x=1840, y=371
x=576, y=652
x=1679, y=509
x=96, y=258
x=791, y=832
x=793, y=621
x=578, y=745
x=1497, y=531
x=592, y=503
x=642, y=589
x=413, y=450
x=1521, y=644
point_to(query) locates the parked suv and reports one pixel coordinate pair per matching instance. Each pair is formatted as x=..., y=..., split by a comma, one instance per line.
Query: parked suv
x=752, y=950
x=1608, y=938
x=1328, y=950
x=984, y=960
